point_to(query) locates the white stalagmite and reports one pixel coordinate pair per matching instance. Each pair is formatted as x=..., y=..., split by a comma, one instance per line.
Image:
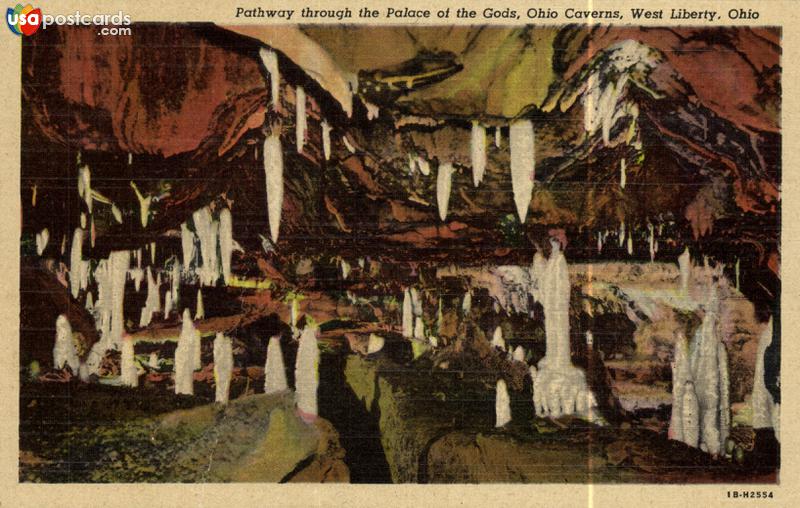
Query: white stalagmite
x=502, y=404
x=119, y=262
x=42, y=237
x=373, y=110
x=306, y=374
x=187, y=246
x=497, y=339
x=408, y=315
x=64, y=353
x=466, y=304
x=176, y=282
x=223, y=367
x=523, y=165
x=167, y=304
x=651, y=242
x=274, y=370
x=184, y=357
x=137, y=275
x=589, y=338
x=89, y=301
x=680, y=376
x=724, y=394
x=419, y=328
x=706, y=377
x=689, y=415
x=83, y=220
x=301, y=122
x=622, y=233
x=685, y=266
x=478, y=152
x=444, y=185
x=736, y=269
x=129, y=374
x=226, y=242
x=623, y=173
x=273, y=168
x=559, y=387
x=76, y=262
x=630, y=244
x=416, y=302
x=519, y=354
x=153, y=302
x=375, y=344
x=270, y=61
x=200, y=311
x=152, y=253
x=498, y=137
x=326, y=139
x=764, y=408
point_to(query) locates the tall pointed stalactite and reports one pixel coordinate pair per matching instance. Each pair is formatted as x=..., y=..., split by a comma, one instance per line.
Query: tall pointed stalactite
x=478, y=152
x=523, y=165
x=273, y=169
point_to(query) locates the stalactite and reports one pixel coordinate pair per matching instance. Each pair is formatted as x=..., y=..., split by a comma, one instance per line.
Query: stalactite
x=345, y=268
x=623, y=173
x=737, y=274
x=523, y=165
x=187, y=247
x=85, y=186
x=207, y=231
x=273, y=168
x=373, y=110
x=144, y=205
x=519, y=354
x=153, y=301
x=498, y=137
x=115, y=211
x=270, y=61
x=348, y=145
x=466, y=304
x=89, y=301
x=83, y=220
x=630, y=244
x=326, y=139
x=167, y=304
x=76, y=262
x=651, y=242
x=294, y=316
x=419, y=328
x=478, y=152
x=64, y=352
x=301, y=122
x=307, y=374
x=176, y=283
x=444, y=185
x=223, y=367
x=274, y=370
x=375, y=344
x=502, y=406
x=137, y=275
x=226, y=242
x=424, y=166
x=129, y=373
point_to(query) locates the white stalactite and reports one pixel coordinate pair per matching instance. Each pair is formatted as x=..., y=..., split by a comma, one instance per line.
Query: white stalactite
x=270, y=61
x=375, y=344
x=326, y=139
x=623, y=173
x=306, y=374
x=630, y=244
x=153, y=302
x=176, y=283
x=424, y=166
x=64, y=352
x=226, y=242
x=519, y=354
x=348, y=145
x=76, y=262
x=345, y=268
x=129, y=373
x=89, y=301
x=187, y=246
x=115, y=211
x=273, y=168
x=444, y=185
x=408, y=315
x=207, y=231
x=651, y=242
x=223, y=367
x=498, y=136
x=274, y=370
x=167, y=304
x=622, y=234
x=301, y=122
x=119, y=262
x=502, y=405
x=85, y=186
x=373, y=110
x=419, y=328
x=466, y=304
x=478, y=152
x=523, y=165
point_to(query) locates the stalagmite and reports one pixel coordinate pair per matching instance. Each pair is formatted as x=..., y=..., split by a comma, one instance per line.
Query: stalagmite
x=119, y=262
x=184, y=357
x=523, y=165
x=412, y=164
x=89, y=301
x=167, y=304
x=498, y=137
x=424, y=166
x=589, y=339
x=83, y=220
x=326, y=139
x=651, y=242
x=685, y=266
x=152, y=253
x=187, y=246
x=623, y=173
x=153, y=301
x=689, y=415
x=200, y=311
x=724, y=395
x=478, y=152
x=223, y=367
x=129, y=374
x=466, y=305
x=375, y=344
x=419, y=328
x=345, y=268
x=737, y=274
x=559, y=387
x=433, y=341
x=76, y=262
x=226, y=242
x=600, y=242
x=154, y=361
x=443, y=186
x=680, y=376
x=64, y=352
x=765, y=410
x=408, y=315
x=42, y=237
x=497, y=339
x=63, y=244
x=273, y=168
x=519, y=354
x=630, y=245
x=85, y=186
x=301, y=122
x=373, y=110
x=270, y=61
x=706, y=377
x=176, y=283
x=502, y=404
x=274, y=370
x=306, y=374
